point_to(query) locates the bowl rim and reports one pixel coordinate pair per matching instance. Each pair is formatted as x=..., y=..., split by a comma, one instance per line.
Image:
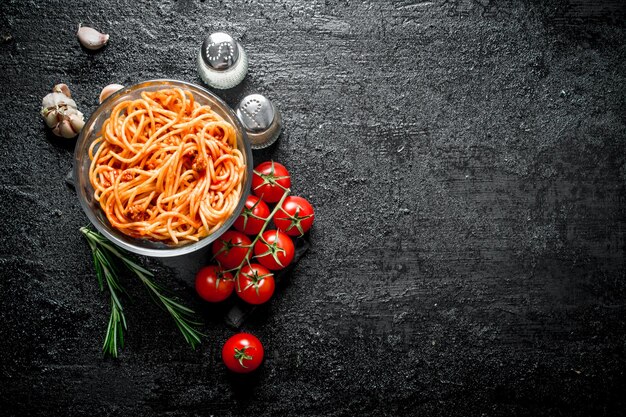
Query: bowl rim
x=173, y=251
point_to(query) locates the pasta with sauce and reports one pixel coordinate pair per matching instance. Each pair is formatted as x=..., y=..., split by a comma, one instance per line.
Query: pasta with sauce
x=166, y=168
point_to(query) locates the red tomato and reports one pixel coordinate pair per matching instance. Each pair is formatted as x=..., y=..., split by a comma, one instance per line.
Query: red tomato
x=231, y=249
x=255, y=284
x=274, y=249
x=295, y=216
x=270, y=180
x=214, y=284
x=242, y=353
x=253, y=216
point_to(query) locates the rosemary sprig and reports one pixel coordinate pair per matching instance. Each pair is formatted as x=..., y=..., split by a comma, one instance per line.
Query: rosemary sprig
x=104, y=256
x=182, y=315
x=107, y=273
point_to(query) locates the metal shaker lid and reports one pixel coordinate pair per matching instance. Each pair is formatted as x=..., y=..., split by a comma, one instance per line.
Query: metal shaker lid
x=256, y=112
x=261, y=120
x=219, y=51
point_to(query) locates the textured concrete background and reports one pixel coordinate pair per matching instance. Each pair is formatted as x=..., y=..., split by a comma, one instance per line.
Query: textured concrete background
x=467, y=163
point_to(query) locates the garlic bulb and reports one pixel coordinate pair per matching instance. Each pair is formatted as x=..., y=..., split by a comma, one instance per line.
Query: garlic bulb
x=108, y=90
x=91, y=38
x=60, y=112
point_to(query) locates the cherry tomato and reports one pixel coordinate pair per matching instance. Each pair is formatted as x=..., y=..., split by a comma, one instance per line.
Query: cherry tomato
x=274, y=249
x=255, y=284
x=214, y=284
x=242, y=353
x=295, y=216
x=253, y=216
x=270, y=180
x=231, y=249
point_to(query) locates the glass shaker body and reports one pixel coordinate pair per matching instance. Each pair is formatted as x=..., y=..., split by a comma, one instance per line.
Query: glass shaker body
x=222, y=62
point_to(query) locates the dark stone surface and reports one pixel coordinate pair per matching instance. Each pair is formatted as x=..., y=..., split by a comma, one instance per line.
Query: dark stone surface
x=467, y=163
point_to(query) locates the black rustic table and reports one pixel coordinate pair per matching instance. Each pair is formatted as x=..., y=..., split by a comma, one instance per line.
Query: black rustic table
x=467, y=163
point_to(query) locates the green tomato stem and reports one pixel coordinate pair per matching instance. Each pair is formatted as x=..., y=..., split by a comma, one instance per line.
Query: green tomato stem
x=258, y=236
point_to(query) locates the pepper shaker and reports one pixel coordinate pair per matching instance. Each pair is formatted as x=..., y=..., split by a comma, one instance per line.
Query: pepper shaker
x=222, y=61
x=261, y=120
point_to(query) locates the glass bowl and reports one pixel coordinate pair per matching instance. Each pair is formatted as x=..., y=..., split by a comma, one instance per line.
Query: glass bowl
x=85, y=191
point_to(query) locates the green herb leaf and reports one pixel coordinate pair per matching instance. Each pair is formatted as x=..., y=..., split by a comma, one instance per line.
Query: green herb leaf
x=104, y=255
x=107, y=273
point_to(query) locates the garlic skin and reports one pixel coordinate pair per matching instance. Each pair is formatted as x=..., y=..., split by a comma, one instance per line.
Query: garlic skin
x=63, y=89
x=91, y=38
x=108, y=90
x=60, y=113
x=57, y=101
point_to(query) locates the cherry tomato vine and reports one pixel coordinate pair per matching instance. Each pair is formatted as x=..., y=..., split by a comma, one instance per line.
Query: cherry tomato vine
x=234, y=251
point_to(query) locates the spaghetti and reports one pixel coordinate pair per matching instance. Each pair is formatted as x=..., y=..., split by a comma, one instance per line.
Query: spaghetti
x=166, y=168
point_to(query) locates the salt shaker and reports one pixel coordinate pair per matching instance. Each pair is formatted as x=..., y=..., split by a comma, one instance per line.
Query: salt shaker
x=261, y=120
x=222, y=61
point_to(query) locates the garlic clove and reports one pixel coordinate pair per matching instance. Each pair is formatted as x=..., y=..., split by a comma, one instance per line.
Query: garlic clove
x=66, y=130
x=108, y=90
x=77, y=122
x=63, y=89
x=51, y=118
x=91, y=38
